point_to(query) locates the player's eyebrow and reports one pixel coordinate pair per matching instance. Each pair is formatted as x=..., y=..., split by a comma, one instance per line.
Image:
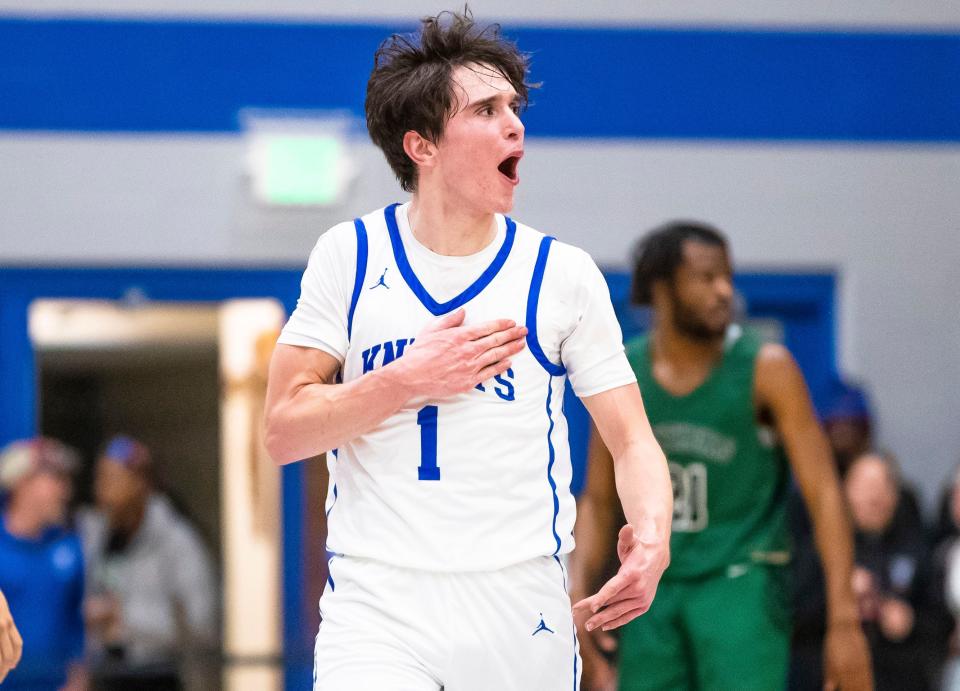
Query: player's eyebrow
x=492, y=100
x=488, y=101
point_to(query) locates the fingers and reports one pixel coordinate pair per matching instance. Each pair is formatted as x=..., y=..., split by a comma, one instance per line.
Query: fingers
x=6, y=651
x=608, y=592
x=625, y=618
x=493, y=355
x=492, y=371
x=499, y=337
x=611, y=593
x=477, y=331
x=602, y=619
x=17, y=646
x=447, y=321
x=6, y=647
x=11, y=646
x=496, y=349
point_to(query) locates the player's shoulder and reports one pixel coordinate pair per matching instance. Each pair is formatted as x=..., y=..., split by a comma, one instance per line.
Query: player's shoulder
x=776, y=372
x=562, y=254
x=342, y=237
x=570, y=255
x=339, y=239
x=376, y=220
x=774, y=355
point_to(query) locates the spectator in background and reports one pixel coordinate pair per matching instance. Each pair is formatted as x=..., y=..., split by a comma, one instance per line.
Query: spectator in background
x=892, y=575
x=849, y=426
x=848, y=422
x=150, y=577
x=41, y=565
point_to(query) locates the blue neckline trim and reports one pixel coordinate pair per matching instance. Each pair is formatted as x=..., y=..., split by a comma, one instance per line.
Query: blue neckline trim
x=440, y=308
x=533, y=299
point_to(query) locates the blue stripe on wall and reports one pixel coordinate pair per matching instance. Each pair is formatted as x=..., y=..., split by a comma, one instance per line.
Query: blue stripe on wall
x=153, y=76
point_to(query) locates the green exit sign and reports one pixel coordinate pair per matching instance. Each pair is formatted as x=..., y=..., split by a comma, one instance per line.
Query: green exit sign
x=295, y=169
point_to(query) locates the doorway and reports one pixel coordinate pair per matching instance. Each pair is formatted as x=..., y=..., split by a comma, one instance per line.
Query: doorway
x=187, y=380
x=150, y=371
x=26, y=376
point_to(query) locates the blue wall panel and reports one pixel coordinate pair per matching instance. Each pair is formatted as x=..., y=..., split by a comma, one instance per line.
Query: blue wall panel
x=153, y=76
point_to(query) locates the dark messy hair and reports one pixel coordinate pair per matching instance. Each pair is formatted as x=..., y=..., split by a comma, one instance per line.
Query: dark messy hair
x=410, y=87
x=657, y=255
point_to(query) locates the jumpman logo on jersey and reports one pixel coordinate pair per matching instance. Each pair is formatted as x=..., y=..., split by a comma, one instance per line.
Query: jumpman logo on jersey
x=542, y=627
x=381, y=282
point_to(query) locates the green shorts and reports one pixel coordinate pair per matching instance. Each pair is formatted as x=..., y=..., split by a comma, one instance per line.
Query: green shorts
x=730, y=631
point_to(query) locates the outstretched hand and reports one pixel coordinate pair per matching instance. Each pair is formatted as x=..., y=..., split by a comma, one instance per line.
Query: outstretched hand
x=449, y=358
x=630, y=592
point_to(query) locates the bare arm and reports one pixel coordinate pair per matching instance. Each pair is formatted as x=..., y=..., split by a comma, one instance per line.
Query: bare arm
x=643, y=485
x=308, y=414
x=780, y=387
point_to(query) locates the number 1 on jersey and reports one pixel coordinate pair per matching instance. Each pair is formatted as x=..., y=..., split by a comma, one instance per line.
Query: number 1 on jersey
x=427, y=420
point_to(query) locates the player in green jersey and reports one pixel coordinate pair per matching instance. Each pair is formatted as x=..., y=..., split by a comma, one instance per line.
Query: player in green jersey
x=734, y=417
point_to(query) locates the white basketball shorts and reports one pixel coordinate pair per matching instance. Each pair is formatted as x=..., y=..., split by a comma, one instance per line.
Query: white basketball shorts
x=387, y=628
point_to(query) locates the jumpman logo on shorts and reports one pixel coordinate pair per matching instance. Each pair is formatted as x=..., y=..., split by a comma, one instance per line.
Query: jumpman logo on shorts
x=381, y=282
x=542, y=627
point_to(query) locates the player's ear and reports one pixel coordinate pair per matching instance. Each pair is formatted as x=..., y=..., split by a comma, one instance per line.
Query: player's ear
x=420, y=149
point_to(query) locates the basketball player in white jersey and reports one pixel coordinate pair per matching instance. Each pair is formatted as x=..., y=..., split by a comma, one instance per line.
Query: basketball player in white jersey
x=428, y=354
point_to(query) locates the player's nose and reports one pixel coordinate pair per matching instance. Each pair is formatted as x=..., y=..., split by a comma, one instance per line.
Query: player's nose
x=514, y=128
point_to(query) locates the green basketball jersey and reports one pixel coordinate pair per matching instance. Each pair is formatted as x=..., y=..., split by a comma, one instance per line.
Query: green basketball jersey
x=729, y=473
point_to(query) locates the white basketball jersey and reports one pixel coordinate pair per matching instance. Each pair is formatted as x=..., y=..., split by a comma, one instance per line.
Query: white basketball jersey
x=478, y=481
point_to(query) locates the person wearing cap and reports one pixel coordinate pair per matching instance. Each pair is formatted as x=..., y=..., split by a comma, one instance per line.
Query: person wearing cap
x=41, y=565
x=848, y=423
x=149, y=576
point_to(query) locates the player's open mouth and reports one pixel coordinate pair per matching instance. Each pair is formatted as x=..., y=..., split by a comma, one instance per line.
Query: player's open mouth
x=508, y=167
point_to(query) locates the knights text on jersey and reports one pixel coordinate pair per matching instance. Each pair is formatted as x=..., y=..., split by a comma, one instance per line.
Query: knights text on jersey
x=481, y=480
